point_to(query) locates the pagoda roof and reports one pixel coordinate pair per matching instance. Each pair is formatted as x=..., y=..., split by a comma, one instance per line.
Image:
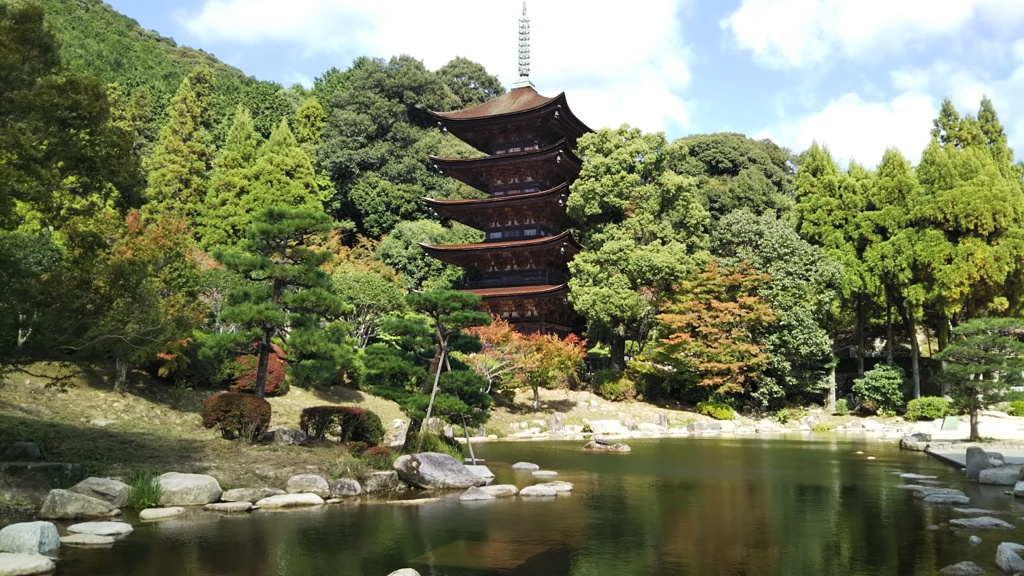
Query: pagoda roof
x=520, y=291
x=531, y=252
x=480, y=212
x=486, y=172
x=519, y=114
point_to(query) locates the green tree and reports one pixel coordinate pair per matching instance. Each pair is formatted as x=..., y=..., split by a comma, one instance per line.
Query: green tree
x=225, y=217
x=801, y=290
x=641, y=227
x=401, y=250
x=372, y=297
x=287, y=289
x=61, y=155
x=984, y=362
x=182, y=158
x=469, y=82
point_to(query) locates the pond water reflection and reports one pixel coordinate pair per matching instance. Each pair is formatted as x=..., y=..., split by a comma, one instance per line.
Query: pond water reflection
x=672, y=506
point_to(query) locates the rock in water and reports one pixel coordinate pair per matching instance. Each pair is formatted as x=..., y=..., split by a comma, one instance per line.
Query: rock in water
x=538, y=491
x=188, y=489
x=161, y=513
x=962, y=569
x=1002, y=476
x=25, y=564
x=290, y=501
x=475, y=493
x=308, y=484
x=527, y=466
x=977, y=461
x=981, y=523
x=433, y=470
x=600, y=447
x=229, y=507
x=1008, y=557
x=404, y=572
x=501, y=490
x=387, y=481
x=101, y=528
x=344, y=487
x=30, y=538
x=113, y=491
x=61, y=504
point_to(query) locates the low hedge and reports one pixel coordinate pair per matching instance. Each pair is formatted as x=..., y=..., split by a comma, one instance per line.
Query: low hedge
x=352, y=424
x=927, y=408
x=237, y=415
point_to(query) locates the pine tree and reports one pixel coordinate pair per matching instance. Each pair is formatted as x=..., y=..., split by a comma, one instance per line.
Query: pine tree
x=288, y=296
x=182, y=158
x=283, y=174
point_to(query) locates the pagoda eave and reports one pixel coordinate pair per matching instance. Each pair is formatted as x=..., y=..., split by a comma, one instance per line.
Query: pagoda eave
x=544, y=168
x=545, y=208
x=554, y=251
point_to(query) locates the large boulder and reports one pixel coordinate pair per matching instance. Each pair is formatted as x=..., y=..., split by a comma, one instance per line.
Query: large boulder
x=31, y=481
x=113, y=491
x=287, y=436
x=1008, y=557
x=24, y=564
x=1002, y=476
x=308, y=484
x=977, y=461
x=386, y=481
x=249, y=495
x=62, y=504
x=21, y=452
x=433, y=470
x=30, y=538
x=188, y=489
x=916, y=442
x=344, y=487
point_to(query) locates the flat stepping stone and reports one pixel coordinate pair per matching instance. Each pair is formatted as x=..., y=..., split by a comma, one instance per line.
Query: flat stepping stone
x=978, y=511
x=474, y=494
x=558, y=486
x=86, y=540
x=981, y=523
x=290, y=501
x=911, y=476
x=249, y=494
x=412, y=501
x=538, y=491
x=501, y=490
x=544, y=473
x=161, y=513
x=527, y=466
x=101, y=528
x=24, y=564
x=230, y=507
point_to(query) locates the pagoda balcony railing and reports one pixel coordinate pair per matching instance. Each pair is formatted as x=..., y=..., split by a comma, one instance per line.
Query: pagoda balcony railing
x=534, y=278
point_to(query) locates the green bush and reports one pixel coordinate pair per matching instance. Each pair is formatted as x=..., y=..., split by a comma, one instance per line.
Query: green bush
x=927, y=408
x=614, y=385
x=823, y=427
x=350, y=423
x=717, y=410
x=841, y=408
x=429, y=442
x=881, y=389
x=237, y=415
x=144, y=490
x=1015, y=408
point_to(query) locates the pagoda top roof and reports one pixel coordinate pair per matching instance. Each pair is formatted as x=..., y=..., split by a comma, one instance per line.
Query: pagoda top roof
x=515, y=101
x=541, y=241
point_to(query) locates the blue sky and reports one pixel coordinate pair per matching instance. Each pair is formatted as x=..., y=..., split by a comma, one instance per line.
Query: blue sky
x=856, y=75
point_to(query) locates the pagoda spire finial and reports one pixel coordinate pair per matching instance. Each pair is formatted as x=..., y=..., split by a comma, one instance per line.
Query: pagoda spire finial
x=524, y=51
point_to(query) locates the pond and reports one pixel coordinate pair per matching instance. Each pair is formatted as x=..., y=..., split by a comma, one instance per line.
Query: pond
x=700, y=506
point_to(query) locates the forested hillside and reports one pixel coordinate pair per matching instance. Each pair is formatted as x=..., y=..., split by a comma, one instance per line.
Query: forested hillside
x=162, y=211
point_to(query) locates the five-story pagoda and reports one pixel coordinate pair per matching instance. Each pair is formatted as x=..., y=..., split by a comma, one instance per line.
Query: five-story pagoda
x=520, y=270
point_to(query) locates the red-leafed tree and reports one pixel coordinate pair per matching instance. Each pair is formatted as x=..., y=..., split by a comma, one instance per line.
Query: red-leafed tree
x=714, y=326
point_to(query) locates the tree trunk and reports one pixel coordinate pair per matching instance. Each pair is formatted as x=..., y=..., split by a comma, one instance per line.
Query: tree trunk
x=859, y=336
x=259, y=387
x=412, y=433
x=617, y=346
x=536, y=397
x=120, y=375
x=915, y=349
x=888, y=328
x=975, y=436
x=830, y=401
x=437, y=379
x=469, y=444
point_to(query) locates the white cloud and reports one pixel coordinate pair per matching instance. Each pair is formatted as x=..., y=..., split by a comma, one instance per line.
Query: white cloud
x=802, y=33
x=855, y=129
x=577, y=46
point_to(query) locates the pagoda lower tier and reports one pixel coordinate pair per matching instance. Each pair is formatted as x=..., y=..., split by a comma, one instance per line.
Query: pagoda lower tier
x=517, y=173
x=548, y=253
x=538, y=211
x=531, y=309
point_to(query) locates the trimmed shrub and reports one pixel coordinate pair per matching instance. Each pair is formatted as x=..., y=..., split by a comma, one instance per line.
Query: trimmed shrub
x=927, y=408
x=378, y=457
x=247, y=366
x=350, y=423
x=881, y=389
x=357, y=448
x=716, y=410
x=842, y=409
x=1015, y=408
x=237, y=415
x=614, y=385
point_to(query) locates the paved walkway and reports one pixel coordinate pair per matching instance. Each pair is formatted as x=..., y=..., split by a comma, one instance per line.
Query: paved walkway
x=957, y=454
x=1004, y=435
